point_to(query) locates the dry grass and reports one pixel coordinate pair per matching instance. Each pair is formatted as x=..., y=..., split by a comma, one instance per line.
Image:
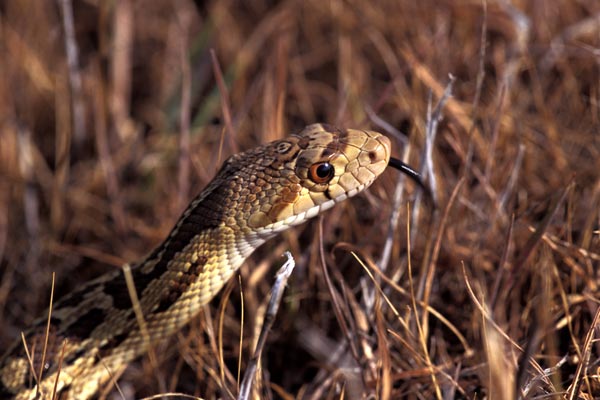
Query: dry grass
x=101, y=147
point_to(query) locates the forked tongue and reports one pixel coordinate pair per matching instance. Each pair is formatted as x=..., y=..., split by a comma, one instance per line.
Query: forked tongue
x=412, y=174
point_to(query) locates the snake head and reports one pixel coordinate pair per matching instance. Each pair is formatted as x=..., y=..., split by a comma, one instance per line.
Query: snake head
x=283, y=183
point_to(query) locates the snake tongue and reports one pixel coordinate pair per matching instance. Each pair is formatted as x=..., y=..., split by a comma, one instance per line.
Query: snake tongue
x=411, y=172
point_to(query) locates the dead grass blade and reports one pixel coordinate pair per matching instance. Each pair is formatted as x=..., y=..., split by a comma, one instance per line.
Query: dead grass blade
x=426, y=280
x=369, y=267
x=139, y=315
x=223, y=370
x=422, y=333
x=542, y=227
x=584, y=361
x=241, y=344
x=31, y=367
x=59, y=368
x=384, y=382
x=339, y=315
x=47, y=334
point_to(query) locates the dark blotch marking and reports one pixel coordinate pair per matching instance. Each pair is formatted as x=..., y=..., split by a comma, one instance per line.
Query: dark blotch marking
x=304, y=142
x=43, y=323
x=114, y=341
x=200, y=218
x=78, y=354
x=176, y=288
x=327, y=194
x=5, y=393
x=329, y=151
x=193, y=224
x=117, y=288
x=83, y=327
x=293, y=156
x=72, y=300
x=64, y=390
x=77, y=297
x=169, y=298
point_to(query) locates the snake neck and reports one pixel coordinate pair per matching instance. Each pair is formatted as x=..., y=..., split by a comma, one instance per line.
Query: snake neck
x=172, y=283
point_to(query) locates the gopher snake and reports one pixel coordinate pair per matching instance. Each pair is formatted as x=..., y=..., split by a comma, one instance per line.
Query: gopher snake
x=255, y=195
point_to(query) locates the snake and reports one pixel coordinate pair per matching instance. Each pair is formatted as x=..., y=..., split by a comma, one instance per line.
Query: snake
x=93, y=333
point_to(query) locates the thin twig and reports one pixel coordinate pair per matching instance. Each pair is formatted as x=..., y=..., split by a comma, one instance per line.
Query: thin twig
x=31, y=367
x=386, y=126
x=425, y=284
x=421, y=328
x=121, y=66
x=512, y=180
x=113, y=378
x=47, y=335
x=104, y=154
x=185, y=110
x=220, y=342
x=137, y=309
x=585, y=360
x=276, y=295
x=224, y=96
x=335, y=297
x=241, y=344
x=60, y=361
x=370, y=266
x=480, y=78
x=386, y=253
x=431, y=130
x=75, y=82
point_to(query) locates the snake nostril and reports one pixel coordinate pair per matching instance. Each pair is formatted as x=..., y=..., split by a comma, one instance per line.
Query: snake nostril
x=377, y=154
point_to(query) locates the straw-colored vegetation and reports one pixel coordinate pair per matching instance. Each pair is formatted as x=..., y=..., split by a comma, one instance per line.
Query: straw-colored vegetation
x=112, y=120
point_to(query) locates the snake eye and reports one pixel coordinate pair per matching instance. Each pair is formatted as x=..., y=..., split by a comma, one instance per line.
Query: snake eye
x=321, y=172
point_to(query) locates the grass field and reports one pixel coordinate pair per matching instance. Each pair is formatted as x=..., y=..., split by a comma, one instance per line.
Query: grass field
x=111, y=121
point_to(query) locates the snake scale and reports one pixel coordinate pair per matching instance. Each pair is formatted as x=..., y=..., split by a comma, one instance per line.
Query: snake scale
x=94, y=332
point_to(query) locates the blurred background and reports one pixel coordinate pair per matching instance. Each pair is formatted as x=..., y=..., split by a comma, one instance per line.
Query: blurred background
x=114, y=114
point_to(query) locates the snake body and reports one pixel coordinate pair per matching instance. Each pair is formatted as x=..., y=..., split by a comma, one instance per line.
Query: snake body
x=94, y=332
